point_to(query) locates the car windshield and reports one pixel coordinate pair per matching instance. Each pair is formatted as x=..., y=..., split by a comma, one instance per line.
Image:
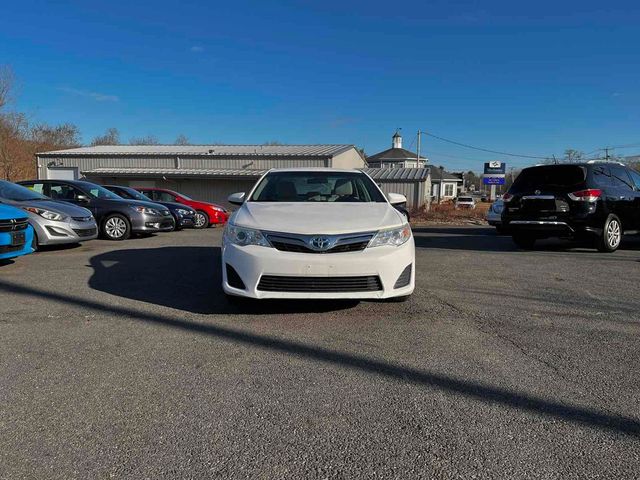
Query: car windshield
x=465, y=199
x=18, y=193
x=97, y=191
x=316, y=187
x=132, y=193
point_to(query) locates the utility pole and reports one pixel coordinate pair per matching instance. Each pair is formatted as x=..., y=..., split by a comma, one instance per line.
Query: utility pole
x=418, y=155
x=606, y=153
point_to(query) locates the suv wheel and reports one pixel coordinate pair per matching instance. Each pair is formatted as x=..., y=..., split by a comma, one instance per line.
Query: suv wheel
x=611, y=236
x=116, y=227
x=201, y=219
x=523, y=241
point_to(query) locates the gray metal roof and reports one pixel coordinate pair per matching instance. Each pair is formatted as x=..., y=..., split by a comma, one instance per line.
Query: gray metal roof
x=173, y=172
x=209, y=150
x=398, y=174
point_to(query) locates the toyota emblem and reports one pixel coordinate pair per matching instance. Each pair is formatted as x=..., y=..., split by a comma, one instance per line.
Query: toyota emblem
x=320, y=243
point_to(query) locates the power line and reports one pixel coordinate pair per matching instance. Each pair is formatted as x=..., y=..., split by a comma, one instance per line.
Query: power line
x=483, y=149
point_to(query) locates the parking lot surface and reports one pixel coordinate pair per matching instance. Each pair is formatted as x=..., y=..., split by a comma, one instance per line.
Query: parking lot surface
x=123, y=359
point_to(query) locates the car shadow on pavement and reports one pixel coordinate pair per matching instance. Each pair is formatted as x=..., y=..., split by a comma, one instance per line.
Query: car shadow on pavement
x=185, y=278
x=488, y=394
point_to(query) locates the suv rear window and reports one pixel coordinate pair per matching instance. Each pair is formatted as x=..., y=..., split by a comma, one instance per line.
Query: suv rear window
x=549, y=178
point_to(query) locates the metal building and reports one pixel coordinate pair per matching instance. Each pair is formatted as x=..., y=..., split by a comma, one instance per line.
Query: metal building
x=413, y=183
x=205, y=172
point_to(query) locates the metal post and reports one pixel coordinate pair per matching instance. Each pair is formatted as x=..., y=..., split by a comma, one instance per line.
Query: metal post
x=418, y=155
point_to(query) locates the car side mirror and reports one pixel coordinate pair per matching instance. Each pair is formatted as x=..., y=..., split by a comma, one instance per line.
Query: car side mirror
x=82, y=198
x=236, y=198
x=396, y=198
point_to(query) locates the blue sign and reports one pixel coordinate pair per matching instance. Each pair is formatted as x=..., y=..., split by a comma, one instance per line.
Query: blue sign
x=493, y=180
x=495, y=168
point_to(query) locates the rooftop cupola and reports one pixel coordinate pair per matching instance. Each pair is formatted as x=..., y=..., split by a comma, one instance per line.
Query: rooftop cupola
x=396, y=140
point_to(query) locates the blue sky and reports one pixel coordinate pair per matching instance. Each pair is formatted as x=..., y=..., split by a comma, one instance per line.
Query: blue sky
x=525, y=77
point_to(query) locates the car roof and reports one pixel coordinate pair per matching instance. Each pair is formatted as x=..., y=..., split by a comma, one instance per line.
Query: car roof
x=317, y=169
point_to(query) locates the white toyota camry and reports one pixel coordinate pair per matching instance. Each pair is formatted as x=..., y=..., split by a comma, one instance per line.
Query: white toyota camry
x=317, y=233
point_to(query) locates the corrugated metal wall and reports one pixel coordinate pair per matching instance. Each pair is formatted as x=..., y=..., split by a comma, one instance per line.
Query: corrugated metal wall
x=258, y=163
x=207, y=190
x=416, y=192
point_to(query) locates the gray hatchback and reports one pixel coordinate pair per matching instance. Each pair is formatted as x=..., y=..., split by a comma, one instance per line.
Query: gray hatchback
x=53, y=222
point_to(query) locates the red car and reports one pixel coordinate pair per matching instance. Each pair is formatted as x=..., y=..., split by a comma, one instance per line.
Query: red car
x=207, y=214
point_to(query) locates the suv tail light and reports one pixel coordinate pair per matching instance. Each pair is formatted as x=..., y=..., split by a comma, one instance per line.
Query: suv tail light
x=590, y=195
x=507, y=197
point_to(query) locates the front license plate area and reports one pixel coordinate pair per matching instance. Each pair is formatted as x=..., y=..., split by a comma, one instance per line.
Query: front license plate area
x=318, y=270
x=18, y=238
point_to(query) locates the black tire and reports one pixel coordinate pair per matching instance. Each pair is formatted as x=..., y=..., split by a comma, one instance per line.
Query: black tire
x=34, y=242
x=524, y=241
x=116, y=227
x=201, y=220
x=611, y=236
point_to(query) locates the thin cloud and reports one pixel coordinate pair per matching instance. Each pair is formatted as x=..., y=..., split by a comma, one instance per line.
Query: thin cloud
x=197, y=49
x=98, y=97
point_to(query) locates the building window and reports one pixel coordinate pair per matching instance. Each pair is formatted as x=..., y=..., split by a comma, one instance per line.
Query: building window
x=448, y=190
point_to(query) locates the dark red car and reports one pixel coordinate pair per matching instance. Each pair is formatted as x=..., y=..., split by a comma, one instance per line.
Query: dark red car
x=207, y=214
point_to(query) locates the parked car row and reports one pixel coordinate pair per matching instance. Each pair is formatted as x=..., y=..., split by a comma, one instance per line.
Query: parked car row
x=592, y=202
x=48, y=212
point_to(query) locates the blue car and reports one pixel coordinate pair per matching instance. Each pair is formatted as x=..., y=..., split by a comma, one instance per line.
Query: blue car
x=16, y=235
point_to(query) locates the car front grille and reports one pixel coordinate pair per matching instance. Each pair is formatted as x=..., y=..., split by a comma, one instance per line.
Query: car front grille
x=277, y=283
x=14, y=224
x=289, y=242
x=10, y=248
x=85, y=232
x=82, y=219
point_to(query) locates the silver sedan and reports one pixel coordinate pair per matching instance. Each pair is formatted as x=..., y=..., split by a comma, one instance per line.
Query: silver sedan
x=53, y=222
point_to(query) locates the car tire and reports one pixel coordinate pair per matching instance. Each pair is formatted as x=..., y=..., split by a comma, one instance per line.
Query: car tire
x=116, y=227
x=201, y=220
x=526, y=242
x=609, y=240
x=34, y=242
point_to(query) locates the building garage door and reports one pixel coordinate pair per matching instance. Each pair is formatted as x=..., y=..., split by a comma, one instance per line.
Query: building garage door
x=62, y=173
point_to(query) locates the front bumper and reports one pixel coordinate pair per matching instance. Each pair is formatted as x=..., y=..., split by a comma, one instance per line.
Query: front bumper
x=186, y=221
x=252, y=262
x=49, y=232
x=7, y=250
x=152, y=223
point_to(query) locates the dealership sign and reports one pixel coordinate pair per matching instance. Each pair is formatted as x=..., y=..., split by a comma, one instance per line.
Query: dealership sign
x=493, y=180
x=495, y=168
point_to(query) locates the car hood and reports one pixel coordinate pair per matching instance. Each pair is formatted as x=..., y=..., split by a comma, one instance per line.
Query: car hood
x=7, y=212
x=143, y=203
x=64, y=208
x=174, y=205
x=321, y=218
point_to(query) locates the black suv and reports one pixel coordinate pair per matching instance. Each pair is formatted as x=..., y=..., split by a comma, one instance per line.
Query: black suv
x=594, y=201
x=116, y=217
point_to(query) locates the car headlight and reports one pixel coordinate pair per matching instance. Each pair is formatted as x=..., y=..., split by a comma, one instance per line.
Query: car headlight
x=392, y=236
x=244, y=236
x=146, y=210
x=49, y=215
x=183, y=212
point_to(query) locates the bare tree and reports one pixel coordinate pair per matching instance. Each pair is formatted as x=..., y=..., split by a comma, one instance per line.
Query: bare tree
x=273, y=142
x=572, y=156
x=14, y=129
x=182, y=140
x=7, y=84
x=110, y=137
x=146, y=140
x=66, y=135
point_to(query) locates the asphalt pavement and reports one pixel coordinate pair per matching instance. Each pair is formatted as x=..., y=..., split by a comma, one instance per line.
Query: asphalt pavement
x=124, y=360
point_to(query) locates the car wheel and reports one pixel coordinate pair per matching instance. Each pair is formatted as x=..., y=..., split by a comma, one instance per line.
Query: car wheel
x=116, y=227
x=34, y=242
x=201, y=219
x=525, y=242
x=611, y=236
